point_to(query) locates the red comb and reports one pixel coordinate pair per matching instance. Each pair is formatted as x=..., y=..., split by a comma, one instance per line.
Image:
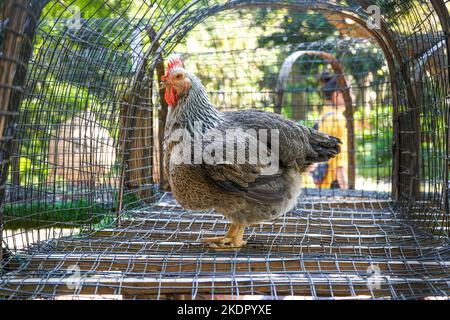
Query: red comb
x=173, y=62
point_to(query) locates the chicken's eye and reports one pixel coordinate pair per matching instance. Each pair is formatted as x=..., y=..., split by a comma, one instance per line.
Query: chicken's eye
x=179, y=76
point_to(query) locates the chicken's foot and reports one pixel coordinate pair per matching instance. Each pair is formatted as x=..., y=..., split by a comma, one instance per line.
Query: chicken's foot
x=231, y=241
x=228, y=236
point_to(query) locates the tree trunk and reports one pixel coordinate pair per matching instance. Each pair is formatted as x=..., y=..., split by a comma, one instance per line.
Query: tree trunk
x=13, y=61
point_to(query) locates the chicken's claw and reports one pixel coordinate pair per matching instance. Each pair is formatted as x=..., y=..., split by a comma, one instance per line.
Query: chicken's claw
x=215, y=239
x=228, y=244
x=232, y=240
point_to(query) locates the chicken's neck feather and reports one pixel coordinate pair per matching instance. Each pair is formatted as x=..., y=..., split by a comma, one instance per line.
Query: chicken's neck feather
x=193, y=109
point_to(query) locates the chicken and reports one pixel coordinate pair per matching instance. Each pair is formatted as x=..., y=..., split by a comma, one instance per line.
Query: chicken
x=245, y=192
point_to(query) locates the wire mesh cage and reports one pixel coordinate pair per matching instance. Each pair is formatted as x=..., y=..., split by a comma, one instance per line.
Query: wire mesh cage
x=85, y=210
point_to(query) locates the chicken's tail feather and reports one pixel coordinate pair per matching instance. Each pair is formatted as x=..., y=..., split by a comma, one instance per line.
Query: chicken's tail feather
x=324, y=147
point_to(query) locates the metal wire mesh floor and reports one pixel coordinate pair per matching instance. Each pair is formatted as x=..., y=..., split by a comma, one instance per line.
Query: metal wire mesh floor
x=338, y=248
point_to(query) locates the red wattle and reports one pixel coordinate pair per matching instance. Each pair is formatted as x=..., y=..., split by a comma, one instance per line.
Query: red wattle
x=170, y=97
x=173, y=97
x=167, y=97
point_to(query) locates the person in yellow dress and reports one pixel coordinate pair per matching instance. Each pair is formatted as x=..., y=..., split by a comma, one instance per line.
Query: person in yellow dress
x=332, y=174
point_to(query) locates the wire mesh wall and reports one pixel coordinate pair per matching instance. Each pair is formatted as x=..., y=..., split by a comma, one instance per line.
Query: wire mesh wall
x=82, y=121
x=75, y=120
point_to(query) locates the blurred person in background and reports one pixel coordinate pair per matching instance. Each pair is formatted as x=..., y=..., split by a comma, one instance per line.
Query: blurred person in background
x=333, y=173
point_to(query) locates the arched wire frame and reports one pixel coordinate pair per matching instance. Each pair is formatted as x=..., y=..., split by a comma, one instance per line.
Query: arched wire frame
x=81, y=77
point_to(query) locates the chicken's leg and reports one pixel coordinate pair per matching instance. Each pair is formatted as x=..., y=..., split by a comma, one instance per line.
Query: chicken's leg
x=232, y=240
x=229, y=235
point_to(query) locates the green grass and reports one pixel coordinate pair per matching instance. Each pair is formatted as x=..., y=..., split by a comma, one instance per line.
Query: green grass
x=64, y=214
x=384, y=172
x=58, y=214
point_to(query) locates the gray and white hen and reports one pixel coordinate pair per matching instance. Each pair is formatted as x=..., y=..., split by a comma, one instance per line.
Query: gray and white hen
x=245, y=192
